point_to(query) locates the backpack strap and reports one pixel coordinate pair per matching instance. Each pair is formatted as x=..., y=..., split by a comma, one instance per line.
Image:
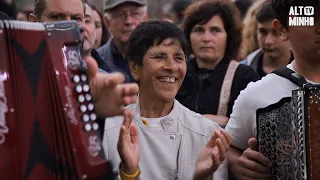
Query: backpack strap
x=226, y=88
x=291, y=75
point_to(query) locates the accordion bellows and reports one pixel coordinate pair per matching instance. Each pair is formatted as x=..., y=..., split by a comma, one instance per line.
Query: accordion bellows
x=47, y=120
x=288, y=135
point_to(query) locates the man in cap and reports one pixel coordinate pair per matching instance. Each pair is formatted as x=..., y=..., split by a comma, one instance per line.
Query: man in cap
x=122, y=17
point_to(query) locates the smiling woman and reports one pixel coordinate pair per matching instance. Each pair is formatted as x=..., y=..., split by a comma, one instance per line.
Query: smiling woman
x=169, y=133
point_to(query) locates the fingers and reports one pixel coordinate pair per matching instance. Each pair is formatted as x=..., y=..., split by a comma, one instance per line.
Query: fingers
x=92, y=67
x=252, y=154
x=127, y=118
x=222, y=149
x=134, y=134
x=212, y=141
x=129, y=89
x=251, y=174
x=252, y=142
x=113, y=79
x=227, y=136
x=256, y=161
x=223, y=138
x=216, y=161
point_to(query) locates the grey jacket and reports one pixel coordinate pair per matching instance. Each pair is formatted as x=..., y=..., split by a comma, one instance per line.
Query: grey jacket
x=170, y=153
x=105, y=52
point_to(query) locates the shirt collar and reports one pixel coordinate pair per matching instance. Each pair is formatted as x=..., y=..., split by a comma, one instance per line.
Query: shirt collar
x=166, y=122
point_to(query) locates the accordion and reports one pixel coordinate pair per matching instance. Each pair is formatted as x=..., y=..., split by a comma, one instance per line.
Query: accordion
x=288, y=134
x=48, y=127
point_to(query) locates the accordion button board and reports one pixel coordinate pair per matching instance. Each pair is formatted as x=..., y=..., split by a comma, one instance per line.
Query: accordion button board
x=288, y=134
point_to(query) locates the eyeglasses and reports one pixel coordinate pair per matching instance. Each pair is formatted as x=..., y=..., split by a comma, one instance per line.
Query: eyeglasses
x=122, y=16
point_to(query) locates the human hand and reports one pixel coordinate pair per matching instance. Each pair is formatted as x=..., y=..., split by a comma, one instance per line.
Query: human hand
x=128, y=145
x=109, y=95
x=252, y=164
x=212, y=155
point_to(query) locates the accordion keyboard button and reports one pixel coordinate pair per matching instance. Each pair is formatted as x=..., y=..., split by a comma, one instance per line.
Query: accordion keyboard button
x=268, y=138
x=88, y=97
x=262, y=135
x=90, y=107
x=274, y=165
x=267, y=124
x=87, y=127
x=76, y=79
x=93, y=117
x=86, y=88
x=262, y=128
x=81, y=98
x=83, y=108
x=263, y=142
x=83, y=78
x=268, y=131
x=273, y=171
x=79, y=89
x=268, y=146
x=95, y=126
x=85, y=118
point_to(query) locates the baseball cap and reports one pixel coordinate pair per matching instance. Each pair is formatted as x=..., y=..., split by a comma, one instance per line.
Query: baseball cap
x=110, y=4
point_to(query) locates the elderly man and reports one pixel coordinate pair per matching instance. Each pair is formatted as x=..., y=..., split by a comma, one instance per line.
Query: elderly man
x=122, y=17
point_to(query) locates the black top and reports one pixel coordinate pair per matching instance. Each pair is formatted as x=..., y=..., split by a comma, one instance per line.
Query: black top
x=260, y=70
x=200, y=91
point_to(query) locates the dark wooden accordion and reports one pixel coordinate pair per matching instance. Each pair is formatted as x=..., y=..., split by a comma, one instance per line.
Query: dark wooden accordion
x=48, y=127
x=288, y=134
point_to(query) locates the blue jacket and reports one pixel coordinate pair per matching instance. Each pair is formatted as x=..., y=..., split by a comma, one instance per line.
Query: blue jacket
x=106, y=53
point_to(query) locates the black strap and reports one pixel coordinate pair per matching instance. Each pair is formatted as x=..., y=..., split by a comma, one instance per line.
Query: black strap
x=291, y=76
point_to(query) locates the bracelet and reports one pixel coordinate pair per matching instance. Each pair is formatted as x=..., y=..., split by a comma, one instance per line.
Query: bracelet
x=130, y=176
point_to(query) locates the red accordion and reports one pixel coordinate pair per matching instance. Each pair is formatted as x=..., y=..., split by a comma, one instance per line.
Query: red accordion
x=48, y=127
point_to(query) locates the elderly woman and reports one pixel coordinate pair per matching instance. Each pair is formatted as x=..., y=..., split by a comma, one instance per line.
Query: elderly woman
x=170, y=136
x=214, y=80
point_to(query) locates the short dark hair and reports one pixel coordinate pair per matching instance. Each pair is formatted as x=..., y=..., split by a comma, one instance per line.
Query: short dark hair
x=265, y=12
x=200, y=12
x=41, y=5
x=179, y=6
x=147, y=34
x=282, y=8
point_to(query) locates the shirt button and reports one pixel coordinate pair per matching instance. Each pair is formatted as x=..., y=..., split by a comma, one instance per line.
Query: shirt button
x=173, y=136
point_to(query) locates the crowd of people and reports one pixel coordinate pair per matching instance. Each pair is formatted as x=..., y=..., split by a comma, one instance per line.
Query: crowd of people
x=178, y=98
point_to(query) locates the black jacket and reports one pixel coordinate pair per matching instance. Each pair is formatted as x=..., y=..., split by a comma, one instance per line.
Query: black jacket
x=200, y=91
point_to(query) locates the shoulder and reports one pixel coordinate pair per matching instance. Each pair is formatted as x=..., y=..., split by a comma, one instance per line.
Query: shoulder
x=248, y=60
x=246, y=73
x=104, y=48
x=195, y=122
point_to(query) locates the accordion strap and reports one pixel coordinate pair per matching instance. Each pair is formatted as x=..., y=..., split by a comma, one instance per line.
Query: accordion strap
x=291, y=76
x=226, y=88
